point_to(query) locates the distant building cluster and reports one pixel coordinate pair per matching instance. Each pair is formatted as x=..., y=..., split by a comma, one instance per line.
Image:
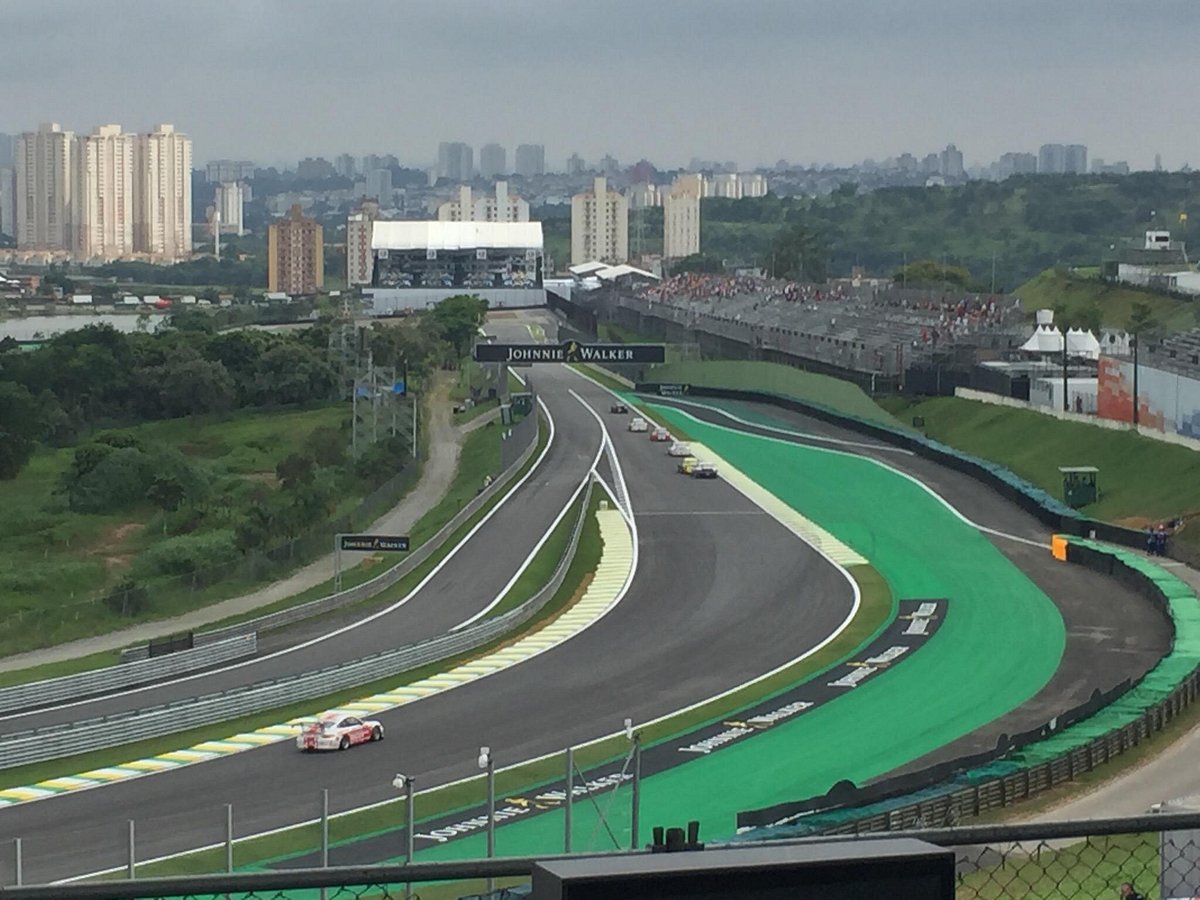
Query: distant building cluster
x=295, y=255
x=103, y=196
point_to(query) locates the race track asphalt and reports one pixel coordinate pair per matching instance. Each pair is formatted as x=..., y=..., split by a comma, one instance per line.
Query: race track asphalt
x=1113, y=633
x=723, y=593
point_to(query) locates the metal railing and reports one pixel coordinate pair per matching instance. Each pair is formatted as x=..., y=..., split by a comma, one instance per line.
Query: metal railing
x=1157, y=856
x=380, y=582
x=69, y=738
x=124, y=675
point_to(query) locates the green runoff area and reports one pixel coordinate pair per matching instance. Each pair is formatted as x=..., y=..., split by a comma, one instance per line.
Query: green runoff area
x=955, y=684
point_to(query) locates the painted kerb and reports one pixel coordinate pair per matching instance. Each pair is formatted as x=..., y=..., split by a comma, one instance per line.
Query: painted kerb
x=124, y=675
x=70, y=738
x=379, y=583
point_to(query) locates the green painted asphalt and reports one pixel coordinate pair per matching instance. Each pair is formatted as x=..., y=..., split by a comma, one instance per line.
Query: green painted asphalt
x=1001, y=642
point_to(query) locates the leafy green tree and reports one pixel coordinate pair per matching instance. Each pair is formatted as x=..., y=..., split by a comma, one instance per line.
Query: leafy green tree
x=254, y=529
x=1141, y=318
x=294, y=470
x=21, y=424
x=167, y=494
x=798, y=253
x=327, y=445
x=127, y=599
x=929, y=273
x=458, y=319
x=193, y=387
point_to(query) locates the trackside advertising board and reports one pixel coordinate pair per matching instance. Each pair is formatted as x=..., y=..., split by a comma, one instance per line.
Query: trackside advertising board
x=570, y=352
x=378, y=542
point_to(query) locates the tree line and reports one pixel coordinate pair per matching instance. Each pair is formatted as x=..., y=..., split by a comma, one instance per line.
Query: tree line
x=97, y=376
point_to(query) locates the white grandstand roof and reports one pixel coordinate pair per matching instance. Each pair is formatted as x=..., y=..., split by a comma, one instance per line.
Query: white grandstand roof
x=612, y=273
x=587, y=268
x=456, y=235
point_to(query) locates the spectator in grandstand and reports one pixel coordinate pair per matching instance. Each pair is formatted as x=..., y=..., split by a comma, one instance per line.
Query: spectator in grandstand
x=1128, y=892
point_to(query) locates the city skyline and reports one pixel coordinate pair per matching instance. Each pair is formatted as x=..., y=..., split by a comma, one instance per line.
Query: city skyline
x=807, y=82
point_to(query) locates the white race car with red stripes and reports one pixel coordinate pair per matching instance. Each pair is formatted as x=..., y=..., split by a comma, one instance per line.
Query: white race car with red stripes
x=333, y=731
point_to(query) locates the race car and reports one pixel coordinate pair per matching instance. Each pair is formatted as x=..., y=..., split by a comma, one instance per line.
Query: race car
x=686, y=465
x=619, y=408
x=704, y=470
x=661, y=435
x=638, y=424
x=679, y=449
x=337, y=732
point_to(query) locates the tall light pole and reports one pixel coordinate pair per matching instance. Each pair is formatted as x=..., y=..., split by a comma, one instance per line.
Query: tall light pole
x=405, y=783
x=487, y=763
x=1134, y=343
x=636, y=797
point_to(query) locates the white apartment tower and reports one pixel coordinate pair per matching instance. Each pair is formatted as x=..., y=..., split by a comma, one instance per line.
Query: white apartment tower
x=681, y=217
x=229, y=203
x=102, y=189
x=43, y=188
x=163, y=194
x=501, y=207
x=599, y=225
x=360, y=263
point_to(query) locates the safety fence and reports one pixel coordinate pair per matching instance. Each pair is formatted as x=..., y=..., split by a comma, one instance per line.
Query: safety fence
x=70, y=738
x=1072, y=743
x=125, y=675
x=1156, y=856
x=387, y=578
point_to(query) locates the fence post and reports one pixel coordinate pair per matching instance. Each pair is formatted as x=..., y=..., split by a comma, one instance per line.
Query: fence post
x=229, y=837
x=324, y=834
x=568, y=802
x=17, y=853
x=132, y=853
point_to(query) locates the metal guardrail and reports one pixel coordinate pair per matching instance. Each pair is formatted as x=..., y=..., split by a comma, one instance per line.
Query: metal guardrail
x=124, y=675
x=69, y=738
x=376, y=585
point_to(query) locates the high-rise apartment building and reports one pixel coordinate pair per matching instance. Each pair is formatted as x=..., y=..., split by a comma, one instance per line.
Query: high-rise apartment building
x=229, y=203
x=295, y=254
x=102, y=195
x=951, y=162
x=493, y=161
x=8, y=150
x=379, y=186
x=43, y=188
x=162, y=194
x=8, y=202
x=1075, y=159
x=226, y=170
x=576, y=165
x=345, y=165
x=599, y=225
x=456, y=161
x=644, y=195
x=499, y=207
x=360, y=263
x=314, y=169
x=681, y=217
x=531, y=160
x=1052, y=159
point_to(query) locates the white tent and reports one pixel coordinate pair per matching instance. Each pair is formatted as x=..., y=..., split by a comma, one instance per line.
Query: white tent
x=1048, y=339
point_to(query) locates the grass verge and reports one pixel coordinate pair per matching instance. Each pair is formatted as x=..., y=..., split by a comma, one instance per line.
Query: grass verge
x=1141, y=480
x=469, y=415
x=544, y=564
x=877, y=609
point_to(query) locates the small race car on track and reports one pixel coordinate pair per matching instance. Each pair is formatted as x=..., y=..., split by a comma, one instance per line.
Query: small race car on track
x=638, y=424
x=618, y=408
x=336, y=732
x=661, y=435
x=704, y=470
x=686, y=465
x=679, y=449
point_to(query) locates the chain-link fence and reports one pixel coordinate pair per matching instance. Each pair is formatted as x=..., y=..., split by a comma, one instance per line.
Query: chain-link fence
x=1155, y=857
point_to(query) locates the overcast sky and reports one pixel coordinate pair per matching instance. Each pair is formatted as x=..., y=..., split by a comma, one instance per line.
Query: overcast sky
x=751, y=81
